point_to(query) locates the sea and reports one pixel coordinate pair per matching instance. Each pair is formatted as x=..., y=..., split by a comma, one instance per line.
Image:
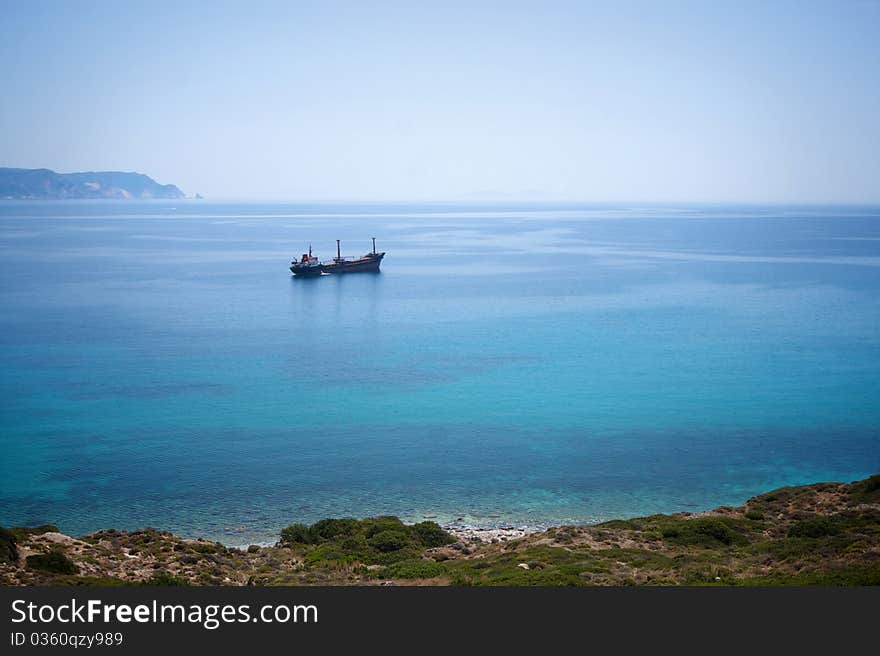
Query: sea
x=513, y=364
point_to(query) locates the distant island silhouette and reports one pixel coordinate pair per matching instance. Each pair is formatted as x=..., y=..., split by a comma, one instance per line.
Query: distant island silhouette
x=45, y=184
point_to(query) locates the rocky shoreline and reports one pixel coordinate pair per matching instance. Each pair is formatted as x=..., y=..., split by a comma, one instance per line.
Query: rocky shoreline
x=823, y=534
x=488, y=535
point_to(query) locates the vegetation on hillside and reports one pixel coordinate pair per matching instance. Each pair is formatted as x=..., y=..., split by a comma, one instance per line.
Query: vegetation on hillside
x=822, y=534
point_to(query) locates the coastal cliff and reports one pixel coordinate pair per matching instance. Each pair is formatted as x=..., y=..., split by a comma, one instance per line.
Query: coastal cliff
x=821, y=534
x=44, y=184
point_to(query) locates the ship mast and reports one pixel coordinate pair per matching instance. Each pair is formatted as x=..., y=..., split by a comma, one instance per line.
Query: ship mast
x=374, y=245
x=338, y=252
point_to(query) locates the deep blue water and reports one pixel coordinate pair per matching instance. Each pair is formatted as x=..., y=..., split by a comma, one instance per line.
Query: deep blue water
x=519, y=364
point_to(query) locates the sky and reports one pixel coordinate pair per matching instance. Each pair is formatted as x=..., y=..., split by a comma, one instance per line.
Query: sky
x=713, y=101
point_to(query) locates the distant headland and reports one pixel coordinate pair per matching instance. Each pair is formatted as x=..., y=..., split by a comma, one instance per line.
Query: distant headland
x=44, y=184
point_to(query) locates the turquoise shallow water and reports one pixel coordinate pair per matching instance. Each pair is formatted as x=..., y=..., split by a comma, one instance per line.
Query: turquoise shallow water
x=511, y=365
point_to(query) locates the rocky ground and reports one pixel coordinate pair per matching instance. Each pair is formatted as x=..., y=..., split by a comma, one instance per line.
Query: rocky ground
x=827, y=533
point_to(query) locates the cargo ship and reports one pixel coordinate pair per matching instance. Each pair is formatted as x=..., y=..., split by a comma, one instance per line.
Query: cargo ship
x=309, y=265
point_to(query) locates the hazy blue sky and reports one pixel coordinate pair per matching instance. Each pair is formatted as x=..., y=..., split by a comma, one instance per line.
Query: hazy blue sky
x=740, y=101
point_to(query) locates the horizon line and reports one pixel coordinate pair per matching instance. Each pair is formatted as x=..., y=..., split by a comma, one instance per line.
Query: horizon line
x=458, y=200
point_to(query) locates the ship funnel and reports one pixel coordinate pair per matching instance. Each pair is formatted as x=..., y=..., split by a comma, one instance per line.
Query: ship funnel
x=338, y=251
x=374, y=245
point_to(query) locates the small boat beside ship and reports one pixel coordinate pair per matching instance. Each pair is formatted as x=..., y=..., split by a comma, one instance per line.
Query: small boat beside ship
x=309, y=265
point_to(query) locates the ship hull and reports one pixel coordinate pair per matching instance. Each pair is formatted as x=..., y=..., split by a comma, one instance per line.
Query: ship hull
x=306, y=272
x=367, y=264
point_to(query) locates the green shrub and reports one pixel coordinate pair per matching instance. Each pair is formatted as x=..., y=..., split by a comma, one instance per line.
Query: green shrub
x=380, y=540
x=388, y=540
x=702, y=532
x=866, y=491
x=431, y=535
x=816, y=527
x=328, y=529
x=628, y=524
x=330, y=552
x=297, y=534
x=373, y=525
x=755, y=515
x=354, y=544
x=8, y=547
x=54, y=562
x=871, y=484
x=414, y=569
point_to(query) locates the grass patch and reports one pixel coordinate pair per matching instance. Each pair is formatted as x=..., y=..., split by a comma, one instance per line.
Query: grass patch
x=102, y=581
x=823, y=540
x=845, y=575
x=166, y=579
x=639, y=558
x=548, y=566
x=22, y=533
